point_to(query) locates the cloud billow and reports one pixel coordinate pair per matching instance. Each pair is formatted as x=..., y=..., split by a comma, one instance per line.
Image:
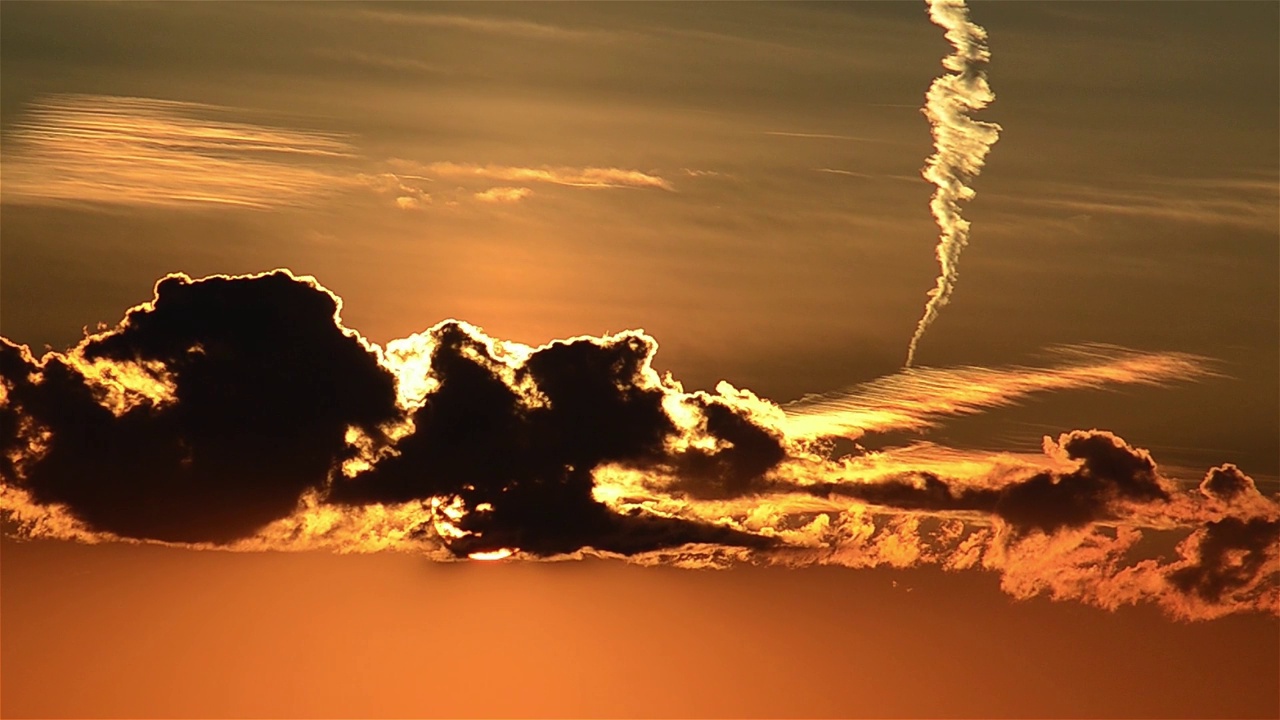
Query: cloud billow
x=241, y=395
x=264, y=385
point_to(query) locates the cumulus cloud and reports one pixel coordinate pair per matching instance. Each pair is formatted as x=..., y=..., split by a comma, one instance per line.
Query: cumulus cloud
x=245, y=393
x=252, y=387
x=1230, y=556
x=240, y=412
x=150, y=152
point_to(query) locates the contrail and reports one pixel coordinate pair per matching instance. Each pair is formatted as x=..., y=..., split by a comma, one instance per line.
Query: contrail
x=960, y=144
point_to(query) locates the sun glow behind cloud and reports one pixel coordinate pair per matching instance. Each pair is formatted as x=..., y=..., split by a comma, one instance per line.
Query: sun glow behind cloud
x=697, y=479
x=585, y=431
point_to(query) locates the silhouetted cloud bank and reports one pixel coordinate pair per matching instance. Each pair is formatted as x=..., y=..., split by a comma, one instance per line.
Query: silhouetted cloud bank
x=240, y=412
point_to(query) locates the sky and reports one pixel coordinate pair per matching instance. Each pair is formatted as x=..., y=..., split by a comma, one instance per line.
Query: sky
x=311, y=308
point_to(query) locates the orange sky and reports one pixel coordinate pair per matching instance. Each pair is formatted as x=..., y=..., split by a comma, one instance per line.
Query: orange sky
x=110, y=631
x=742, y=181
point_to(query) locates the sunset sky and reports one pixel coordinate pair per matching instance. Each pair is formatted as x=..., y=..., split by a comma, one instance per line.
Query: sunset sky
x=237, y=504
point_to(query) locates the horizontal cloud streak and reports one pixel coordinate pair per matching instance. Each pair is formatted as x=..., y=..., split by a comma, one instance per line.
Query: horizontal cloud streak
x=914, y=398
x=526, y=29
x=143, y=151
x=588, y=177
x=820, y=136
x=1241, y=203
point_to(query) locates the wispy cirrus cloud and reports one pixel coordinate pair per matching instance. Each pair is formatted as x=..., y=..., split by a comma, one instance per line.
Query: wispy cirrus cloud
x=1247, y=203
x=508, y=27
x=915, y=398
x=397, y=63
x=821, y=136
x=866, y=176
x=586, y=177
x=150, y=152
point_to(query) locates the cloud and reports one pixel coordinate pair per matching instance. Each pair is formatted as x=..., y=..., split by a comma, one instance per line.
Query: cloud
x=383, y=62
x=1227, y=483
x=525, y=29
x=239, y=412
x=404, y=188
x=208, y=413
x=503, y=195
x=587, y=177
x=1093, y=476
x=914, y=398
x=404, y=182
x=1245, y=203
x=820, y=136
x=149, y=152
x=867, y=176
x=1230, y=556
x=515, y=434
x=264, y=385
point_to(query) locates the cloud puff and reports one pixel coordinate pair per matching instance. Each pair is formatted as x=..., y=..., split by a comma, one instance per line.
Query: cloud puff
x=1230, y=555
x=249, y=388
x=149, y=152
x=1227, y=483
x=240, y=412
x=503, y=194
x=515, y=434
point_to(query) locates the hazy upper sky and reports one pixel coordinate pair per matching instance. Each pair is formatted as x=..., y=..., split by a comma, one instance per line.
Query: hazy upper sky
x=740, y=180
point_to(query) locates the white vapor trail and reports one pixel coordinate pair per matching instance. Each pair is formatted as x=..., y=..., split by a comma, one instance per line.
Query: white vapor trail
x=960, y=145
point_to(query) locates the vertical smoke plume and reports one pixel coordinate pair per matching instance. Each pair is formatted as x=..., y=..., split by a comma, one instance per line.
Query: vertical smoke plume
x=960, y=145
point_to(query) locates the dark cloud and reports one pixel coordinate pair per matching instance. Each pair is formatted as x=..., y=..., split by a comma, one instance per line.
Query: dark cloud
x=238, y=394
x=1123, y=470
x=264, y=385
x=1110, y=471
x=228, y=403
x=16, y=369
x=520, y=451
x=920, y=491
x=1231, y=554
x=1227, y=483
x=744, y=453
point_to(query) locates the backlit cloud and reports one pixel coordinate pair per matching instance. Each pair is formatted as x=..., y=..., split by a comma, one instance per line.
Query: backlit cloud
x=239, y=412
x=149, y=152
